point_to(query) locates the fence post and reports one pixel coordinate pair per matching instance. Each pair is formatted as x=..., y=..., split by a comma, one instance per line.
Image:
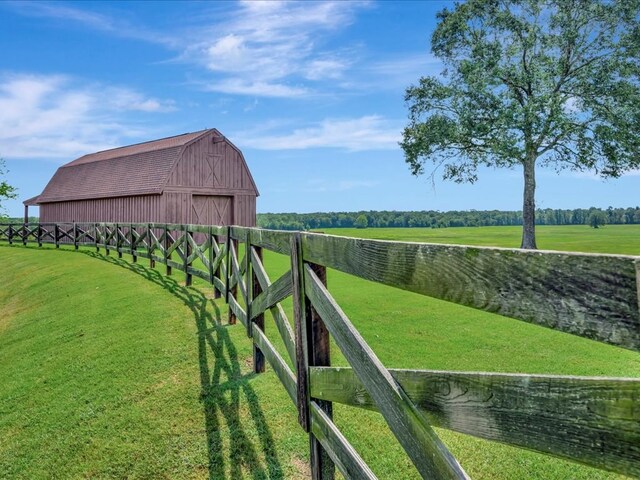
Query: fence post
x=75, y=236
x=96, y=234
x=258, y=322
x=167, y=256
x=248, y=281
x=151, y=248
x=312, y=349
x=217, y=293
x=228, y=261
x=56, y=235
x=186, y=249
x=39, y=235
x=10, y=234
x=132, y=244
x=107, y=239
x=211, y=257
x=231, y=291
x=24, y=234
x=118, y=241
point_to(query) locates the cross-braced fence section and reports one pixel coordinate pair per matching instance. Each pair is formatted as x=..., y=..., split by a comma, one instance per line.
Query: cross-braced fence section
x=591, y=420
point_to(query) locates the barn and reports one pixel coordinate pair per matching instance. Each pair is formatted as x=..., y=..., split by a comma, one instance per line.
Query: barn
x=199, y=178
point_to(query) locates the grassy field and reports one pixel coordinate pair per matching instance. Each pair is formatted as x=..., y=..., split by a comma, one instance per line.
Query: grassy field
x=114, y=371
x=621, y=239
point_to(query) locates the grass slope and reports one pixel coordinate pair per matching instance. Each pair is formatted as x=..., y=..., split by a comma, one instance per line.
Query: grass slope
x=115, y=371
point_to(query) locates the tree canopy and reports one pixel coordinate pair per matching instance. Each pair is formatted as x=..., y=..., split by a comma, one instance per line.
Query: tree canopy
x=6, y=190
x=529, y=83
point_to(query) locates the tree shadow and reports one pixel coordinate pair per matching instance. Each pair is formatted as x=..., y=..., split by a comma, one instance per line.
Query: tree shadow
x=223, y=387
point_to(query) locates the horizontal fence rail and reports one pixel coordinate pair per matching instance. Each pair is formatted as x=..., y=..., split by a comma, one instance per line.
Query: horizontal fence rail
x=591, y=420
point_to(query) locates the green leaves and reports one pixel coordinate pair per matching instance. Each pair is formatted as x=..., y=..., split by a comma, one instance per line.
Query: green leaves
x=6, y=190
x=558, y=81
x=555, y=83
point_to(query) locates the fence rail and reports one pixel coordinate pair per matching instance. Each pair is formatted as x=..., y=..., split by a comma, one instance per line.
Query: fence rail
x=592, y=420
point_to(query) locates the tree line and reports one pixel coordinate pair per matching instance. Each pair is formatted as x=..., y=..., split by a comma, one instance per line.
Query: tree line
x=437, y=219
x=432, y=218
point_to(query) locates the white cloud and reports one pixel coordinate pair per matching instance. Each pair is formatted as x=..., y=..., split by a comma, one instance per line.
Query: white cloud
x=126, y=99
x=260, y=89
x=119, y=27
x=327, y=68
x=265, y=46
x=370, y=132
x=51, y=117
x=400, y=71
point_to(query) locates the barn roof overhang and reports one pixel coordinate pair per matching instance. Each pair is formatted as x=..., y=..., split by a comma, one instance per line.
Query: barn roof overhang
x=33, y=201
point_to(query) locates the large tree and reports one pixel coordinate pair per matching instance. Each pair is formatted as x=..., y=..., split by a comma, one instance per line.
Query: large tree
x=6, y=190
x=528, y=83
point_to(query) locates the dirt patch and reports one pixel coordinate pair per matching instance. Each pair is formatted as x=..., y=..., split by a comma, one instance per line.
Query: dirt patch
x=301, y=468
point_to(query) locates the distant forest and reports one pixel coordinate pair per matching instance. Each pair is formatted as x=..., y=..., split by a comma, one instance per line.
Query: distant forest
x=435, y=219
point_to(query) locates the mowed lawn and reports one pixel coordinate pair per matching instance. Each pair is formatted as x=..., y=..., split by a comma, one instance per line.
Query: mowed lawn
x=115, y=371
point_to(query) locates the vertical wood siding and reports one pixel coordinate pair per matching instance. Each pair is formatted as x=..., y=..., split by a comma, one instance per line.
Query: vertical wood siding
x=143, y=208
x=212, y=165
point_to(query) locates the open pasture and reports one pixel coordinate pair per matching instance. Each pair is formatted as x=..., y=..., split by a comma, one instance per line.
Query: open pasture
x=165, y=382
x=616, y=239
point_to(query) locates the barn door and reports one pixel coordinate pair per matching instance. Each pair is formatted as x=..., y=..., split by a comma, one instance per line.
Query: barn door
x=212, y=210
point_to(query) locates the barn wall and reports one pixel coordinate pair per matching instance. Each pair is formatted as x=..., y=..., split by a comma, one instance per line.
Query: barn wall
x=215, y=170
x=213, y=166
x=245, y=210
x=166, y=208
x=143, y=208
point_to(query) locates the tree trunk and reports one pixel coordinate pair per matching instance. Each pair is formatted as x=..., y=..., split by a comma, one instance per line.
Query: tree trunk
x=529, y=204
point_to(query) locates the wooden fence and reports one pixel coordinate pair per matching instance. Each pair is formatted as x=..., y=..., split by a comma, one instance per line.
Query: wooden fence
x=592, y=420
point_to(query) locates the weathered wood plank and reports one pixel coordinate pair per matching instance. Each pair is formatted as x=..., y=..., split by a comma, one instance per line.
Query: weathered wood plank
x=239, y=233
x=168, y=240
x=319, y=351
x=199, y=273
x=259, y=271
x=237, y=310
x=236, y=272
x=220, y=254
x=594, y=296
x=279, y=366
x=278, y=291
x=174, y=245
x=219, y=284
x=279, y=317
x=197, y=251
x=410, y=426
x=344, y=456
x=272, y=240
x=299, y=309
x=591, y=420
x=158, y=259
x=173, y=264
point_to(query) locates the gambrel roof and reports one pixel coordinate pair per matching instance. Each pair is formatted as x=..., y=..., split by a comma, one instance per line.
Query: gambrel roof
x=139, y=169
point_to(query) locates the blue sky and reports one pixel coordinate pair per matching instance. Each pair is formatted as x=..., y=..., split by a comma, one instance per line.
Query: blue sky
x=311, y=92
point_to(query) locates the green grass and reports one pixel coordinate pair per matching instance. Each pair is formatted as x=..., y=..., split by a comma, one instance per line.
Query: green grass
x=114, y=371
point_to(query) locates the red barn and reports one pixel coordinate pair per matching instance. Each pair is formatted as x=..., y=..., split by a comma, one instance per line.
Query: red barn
x=199, y=178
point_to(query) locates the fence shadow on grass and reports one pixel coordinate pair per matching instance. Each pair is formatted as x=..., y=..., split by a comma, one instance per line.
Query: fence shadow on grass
x=223, y=386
